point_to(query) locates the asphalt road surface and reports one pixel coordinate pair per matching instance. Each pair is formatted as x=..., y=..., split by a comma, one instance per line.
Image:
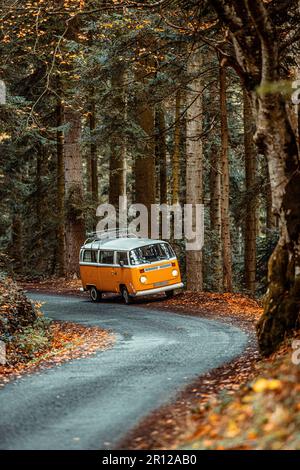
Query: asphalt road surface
x=92, y=403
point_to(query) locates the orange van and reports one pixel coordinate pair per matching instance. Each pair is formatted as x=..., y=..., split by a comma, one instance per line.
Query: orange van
x=130, y=266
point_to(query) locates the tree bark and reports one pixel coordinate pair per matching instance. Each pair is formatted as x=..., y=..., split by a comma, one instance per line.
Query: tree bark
x=60, y=184
x=176, y=151
x=282, y=302
x=41, y=262
x=93, y=170
x=161, y=159
x=161, y=151
x=225, y=215
x=194, y=166
x=117, y=163
x=251, y=201
x=270, y=218
x=74, y=221
x=144, y=165
x=215, y=219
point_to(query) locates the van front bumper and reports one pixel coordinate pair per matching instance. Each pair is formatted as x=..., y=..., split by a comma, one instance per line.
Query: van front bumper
x=156, y=290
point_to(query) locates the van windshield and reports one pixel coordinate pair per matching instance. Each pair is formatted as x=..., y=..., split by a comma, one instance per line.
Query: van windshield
x=151, y=253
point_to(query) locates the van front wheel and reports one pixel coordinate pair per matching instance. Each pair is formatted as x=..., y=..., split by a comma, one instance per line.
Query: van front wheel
x=125, y=295
x=95, y=295
x=169, y=294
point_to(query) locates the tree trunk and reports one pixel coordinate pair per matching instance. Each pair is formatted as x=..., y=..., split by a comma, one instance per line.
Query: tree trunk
x=194, y=166
x=251, y=202
x=176, y=151
x=282, y=302
x=215, y=220
x=270, y=218
x=117, y=163
x=93, y=170
x=161, y=152
x=144, y=165
x=41, y=262
x=226, y=242
x=74, y=221
x=60, y=184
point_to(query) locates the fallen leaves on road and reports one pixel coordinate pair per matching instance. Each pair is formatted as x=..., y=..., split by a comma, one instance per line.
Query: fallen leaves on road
x=56, y=285
x=225, y=304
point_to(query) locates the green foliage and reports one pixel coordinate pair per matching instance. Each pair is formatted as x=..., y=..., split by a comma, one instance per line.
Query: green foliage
x=22, y=327
x=32, y=339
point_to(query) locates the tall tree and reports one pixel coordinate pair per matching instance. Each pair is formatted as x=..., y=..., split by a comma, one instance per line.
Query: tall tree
x=93, y=160
x=251, y=197
x=225, y=215
x=60, y=185
x=161, y=154
x=176, y=151
x=117, y=162
x=215, y=218
x=216, y=264
x=74, y=220
x=161, y=159
x=194, y=163
x=144, y=166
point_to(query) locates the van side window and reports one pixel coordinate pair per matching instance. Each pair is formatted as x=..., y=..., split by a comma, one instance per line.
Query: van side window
x=107, y=257
x=90, y=256
x=122, y=256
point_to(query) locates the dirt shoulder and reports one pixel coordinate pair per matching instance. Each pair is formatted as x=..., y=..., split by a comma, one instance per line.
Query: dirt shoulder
x=58, y=286
x=67, y=341
x=33, y=342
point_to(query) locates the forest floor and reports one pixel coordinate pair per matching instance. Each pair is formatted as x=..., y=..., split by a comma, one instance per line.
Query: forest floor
x=249, y=403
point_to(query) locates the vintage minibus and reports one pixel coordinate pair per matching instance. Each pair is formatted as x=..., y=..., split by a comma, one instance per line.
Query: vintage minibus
x=128, y=265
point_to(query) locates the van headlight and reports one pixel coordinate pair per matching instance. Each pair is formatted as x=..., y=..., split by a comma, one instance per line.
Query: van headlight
x=143, y=279
x=174, y=273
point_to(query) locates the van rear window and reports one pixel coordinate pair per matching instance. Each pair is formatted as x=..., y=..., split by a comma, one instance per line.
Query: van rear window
x=90, y=256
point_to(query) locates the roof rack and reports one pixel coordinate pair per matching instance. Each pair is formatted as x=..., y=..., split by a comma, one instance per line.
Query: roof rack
x=108, y=235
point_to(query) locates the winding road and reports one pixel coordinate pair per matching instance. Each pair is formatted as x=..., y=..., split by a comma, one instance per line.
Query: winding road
x=91, y=403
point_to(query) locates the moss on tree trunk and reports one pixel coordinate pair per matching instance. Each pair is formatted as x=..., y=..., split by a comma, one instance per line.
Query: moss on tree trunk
x=281, y=313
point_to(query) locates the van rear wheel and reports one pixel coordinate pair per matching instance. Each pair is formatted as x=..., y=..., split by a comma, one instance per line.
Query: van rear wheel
x=125, y=295
x=95, y=295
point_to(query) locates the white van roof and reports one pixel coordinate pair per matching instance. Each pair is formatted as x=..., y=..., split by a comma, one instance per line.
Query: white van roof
x=125, y=244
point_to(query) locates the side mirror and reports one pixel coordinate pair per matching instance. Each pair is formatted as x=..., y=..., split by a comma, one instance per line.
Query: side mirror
x=121, y=263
